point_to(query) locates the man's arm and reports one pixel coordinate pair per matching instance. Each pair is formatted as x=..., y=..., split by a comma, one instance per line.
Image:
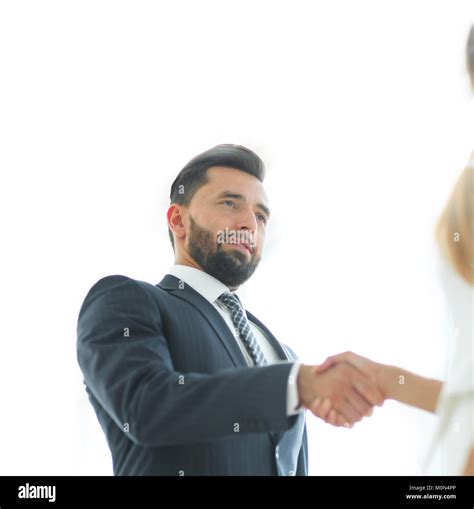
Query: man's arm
x=128, y=368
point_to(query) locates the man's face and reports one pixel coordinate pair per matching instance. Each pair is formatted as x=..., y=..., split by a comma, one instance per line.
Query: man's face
x=230, y=210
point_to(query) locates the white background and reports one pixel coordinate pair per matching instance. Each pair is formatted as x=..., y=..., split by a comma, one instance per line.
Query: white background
x=363, y=115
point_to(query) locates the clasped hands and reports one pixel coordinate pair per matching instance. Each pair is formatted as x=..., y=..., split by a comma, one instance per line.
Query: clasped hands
x=343, y=390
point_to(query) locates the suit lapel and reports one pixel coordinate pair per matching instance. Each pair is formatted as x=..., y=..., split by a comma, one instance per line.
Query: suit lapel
x=283, y=354
x=172, y=285
x=280, y=350
x=183, y=291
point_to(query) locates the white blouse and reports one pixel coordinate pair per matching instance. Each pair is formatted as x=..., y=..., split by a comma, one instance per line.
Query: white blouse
x=454, y=436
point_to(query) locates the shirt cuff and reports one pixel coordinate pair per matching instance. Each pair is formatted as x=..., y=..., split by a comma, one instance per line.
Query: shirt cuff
x=292, y=398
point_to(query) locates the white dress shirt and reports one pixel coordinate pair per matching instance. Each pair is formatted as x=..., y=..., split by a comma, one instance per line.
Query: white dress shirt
x=210, y=288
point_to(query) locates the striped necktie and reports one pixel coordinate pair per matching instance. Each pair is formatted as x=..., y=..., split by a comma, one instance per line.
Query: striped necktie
x=240, y=321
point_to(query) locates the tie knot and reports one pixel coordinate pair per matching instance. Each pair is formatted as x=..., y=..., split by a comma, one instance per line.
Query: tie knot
x=230, y=300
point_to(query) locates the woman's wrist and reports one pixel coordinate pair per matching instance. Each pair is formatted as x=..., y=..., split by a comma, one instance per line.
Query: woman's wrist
x=409, y=388
x=388, y=379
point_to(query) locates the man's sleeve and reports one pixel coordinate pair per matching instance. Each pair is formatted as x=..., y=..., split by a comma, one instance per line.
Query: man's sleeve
x=127, y=366
x=292, y=407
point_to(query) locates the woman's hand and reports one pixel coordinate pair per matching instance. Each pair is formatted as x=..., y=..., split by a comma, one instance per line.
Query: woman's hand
x=393, y=382
x=378, y=373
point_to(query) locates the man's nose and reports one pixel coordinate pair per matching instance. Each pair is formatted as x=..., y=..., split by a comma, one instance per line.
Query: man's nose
x=247, y=221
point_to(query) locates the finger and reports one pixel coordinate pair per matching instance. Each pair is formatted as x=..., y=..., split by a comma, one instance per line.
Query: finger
x=325, y=409
x=330, y=361
x=361, y=393
x=345, y=408
x=315, y=408
x=315, y=404
x=319, y=408
x=359, y=403
x=339, y=420
x=343, y=422
x=333, y=418
x=371, y=393
x=323, y=367
x=365, y=385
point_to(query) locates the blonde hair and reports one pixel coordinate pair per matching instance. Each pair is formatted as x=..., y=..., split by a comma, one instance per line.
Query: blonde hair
x=455, y=229
x=470, y=55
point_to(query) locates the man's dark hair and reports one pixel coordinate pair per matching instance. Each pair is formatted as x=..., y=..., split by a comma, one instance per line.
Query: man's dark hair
x=194, y=174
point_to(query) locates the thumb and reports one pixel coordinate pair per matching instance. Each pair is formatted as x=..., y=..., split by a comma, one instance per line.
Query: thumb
x=320, y=368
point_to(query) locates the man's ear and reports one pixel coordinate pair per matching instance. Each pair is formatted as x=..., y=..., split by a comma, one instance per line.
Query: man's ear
x=176, y=220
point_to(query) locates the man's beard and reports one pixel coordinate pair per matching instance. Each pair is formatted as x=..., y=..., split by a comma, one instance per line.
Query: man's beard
x=230, y=267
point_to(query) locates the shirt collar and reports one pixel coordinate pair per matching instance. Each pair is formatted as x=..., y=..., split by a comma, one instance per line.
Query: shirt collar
x=202, y=282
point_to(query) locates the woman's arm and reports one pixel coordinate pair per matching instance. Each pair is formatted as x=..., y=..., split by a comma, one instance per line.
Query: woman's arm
x=396, y=383
x=409, y=388
x=469, y=469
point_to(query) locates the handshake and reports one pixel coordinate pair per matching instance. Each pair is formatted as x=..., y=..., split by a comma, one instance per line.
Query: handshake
x=346, y=387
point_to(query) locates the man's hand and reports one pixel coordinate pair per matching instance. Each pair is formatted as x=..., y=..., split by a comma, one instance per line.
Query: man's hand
x=373, y=370
x=342, y=389
x=376, y=372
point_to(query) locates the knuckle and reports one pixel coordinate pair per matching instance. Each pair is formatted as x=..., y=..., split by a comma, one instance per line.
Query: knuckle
x=344, y=369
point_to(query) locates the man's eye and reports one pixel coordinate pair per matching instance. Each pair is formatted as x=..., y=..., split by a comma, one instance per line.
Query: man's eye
x=261, y=217
x=232, y=203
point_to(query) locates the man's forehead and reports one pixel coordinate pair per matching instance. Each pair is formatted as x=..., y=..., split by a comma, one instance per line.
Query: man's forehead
x=220, y=177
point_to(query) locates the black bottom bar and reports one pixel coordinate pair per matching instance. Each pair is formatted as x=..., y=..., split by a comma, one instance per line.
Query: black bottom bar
x=314, y=491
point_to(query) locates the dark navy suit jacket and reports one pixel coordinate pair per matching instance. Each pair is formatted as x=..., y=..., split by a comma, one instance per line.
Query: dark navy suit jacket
x=172, y=390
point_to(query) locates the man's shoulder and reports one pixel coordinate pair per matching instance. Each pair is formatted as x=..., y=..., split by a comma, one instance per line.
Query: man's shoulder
x=120, y=285
x=119, y=280
x=121, y=295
